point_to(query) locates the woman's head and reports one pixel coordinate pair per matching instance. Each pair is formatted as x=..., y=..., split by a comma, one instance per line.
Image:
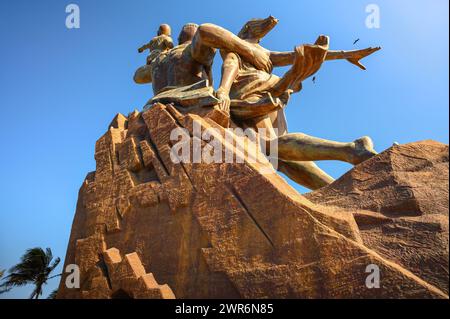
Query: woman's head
x=256, y=29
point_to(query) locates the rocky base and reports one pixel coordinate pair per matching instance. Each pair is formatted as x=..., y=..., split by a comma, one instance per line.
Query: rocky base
x=400, y=202
x=148, y=228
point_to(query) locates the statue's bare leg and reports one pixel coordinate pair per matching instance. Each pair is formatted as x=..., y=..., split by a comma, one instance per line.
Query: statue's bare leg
x=307, y=174
x=301, y=147
x=296, y=153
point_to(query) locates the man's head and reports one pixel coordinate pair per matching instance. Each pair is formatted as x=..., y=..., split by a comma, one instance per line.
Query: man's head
x=256, y=29
x=187, y=33
x=164, y=29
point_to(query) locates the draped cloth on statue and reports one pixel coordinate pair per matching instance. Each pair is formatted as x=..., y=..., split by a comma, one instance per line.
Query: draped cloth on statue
x=257, y=93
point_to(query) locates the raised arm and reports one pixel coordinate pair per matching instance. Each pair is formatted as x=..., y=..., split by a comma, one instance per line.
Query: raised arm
x=212, y=36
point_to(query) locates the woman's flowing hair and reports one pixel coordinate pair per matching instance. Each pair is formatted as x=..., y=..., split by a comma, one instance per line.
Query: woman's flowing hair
x=257, y=28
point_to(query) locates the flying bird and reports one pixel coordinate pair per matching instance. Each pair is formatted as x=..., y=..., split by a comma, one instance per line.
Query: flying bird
x=355, y=41
x=314, y=80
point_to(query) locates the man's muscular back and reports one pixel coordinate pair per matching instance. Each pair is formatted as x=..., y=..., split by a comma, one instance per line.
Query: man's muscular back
x=176, y=68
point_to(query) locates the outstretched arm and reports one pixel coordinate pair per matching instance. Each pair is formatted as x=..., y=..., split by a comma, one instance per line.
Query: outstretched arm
x=144, y=47
x=282, y=58
x=288, y=58
x=353, y=56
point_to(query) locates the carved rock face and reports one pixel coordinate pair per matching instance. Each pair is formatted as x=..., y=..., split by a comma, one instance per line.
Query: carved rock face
x=400, y=202
x=146, y=227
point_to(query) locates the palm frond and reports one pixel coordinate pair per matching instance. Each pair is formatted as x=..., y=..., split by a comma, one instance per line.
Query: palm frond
x=35, y=267
x=54, y=264
x=53, y=294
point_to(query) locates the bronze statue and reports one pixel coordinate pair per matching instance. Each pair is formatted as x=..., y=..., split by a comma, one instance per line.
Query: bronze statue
x=249, y=91
x=256, y=91
x=191, y=60
x=257, y=98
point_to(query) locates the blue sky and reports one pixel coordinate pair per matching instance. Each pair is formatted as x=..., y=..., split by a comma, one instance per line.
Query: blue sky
x=60, y=88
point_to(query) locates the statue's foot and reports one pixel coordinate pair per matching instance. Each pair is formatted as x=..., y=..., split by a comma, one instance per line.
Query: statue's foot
x=363, y=150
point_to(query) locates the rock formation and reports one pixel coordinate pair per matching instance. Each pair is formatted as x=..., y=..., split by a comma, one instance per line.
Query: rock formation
x=400, y=202
x=146, y=227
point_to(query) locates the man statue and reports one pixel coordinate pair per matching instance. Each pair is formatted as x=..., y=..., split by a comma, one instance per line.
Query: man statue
x=191, y=60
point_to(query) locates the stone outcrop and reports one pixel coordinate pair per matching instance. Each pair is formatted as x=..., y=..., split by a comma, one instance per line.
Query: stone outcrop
x=146, y=227
x=400, y=202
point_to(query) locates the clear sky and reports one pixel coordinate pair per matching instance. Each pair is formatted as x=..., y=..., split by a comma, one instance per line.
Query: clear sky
x=60, y=88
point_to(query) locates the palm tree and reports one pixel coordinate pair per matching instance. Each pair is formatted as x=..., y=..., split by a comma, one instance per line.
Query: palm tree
x=35, y=268
x=53, y=294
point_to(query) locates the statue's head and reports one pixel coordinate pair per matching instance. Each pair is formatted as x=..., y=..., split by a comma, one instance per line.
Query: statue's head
x=164, y=29
x=187, y=33
x=256, y=29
